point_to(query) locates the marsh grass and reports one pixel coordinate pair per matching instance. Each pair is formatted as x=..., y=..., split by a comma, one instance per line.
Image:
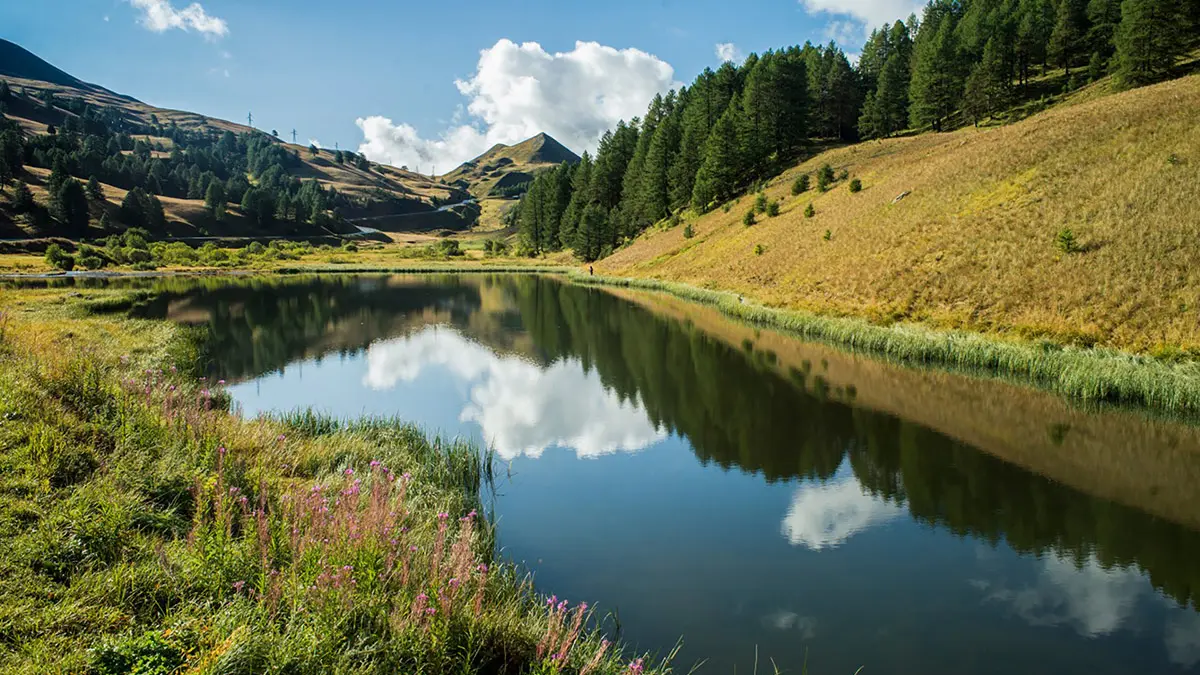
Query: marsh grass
x=1091, y=375
x=146, y=529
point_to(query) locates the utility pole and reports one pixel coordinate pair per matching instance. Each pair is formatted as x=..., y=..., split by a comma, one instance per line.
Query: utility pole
x=250, y=120
x=293, y=136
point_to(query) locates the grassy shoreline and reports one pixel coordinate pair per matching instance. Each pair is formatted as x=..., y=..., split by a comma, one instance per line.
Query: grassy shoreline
x=144, y=528
x=1096, y=376
x=1086, y=375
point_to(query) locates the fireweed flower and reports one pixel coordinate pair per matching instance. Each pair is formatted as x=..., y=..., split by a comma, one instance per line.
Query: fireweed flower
x=238, y=585
x=349, y=472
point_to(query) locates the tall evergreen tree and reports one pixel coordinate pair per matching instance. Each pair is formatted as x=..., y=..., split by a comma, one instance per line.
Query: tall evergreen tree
x=1068, y=41
x=987, y=88
x=722, y=165
x=937, y=80
x=69, y=205
x=214, y=200
x=1148, y=40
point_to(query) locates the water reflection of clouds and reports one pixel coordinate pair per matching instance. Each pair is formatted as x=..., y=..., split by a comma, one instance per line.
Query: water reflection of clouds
x=522, y=408
x=826, y=515
x=787, y=620
x=1096, y=602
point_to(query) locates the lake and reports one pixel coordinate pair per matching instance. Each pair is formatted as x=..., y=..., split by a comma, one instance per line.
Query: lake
x=761, y=498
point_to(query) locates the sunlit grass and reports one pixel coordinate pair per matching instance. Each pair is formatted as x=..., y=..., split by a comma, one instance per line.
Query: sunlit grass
x=972, y=245
x=1087, y=374
x=143, y=528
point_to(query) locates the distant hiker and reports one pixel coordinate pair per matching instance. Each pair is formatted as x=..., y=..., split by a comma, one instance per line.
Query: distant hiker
x=590, y=272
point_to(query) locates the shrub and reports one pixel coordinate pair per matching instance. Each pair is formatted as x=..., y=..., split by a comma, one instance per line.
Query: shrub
x=773, y=209
x=449, y=247
x=1066, y=242
x=59, y=259
x=856, y=185
x=760, y=202
x=137, y=255
x=758, y=249
x=800, y=185
x=844, y=174
x=676, y=219
x=727, y=207
x=828, y=235
x=255, y=248
x=824, y=178
x=688, y=232
x=809, y=211
x=350, y=247
x=748, y=219
x=91, y=262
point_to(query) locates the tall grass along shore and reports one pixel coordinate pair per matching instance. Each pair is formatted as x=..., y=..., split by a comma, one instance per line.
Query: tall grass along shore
x=1090, y=375
x=145, y=529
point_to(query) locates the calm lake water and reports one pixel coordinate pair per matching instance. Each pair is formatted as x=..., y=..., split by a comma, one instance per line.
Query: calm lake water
x=753, y=495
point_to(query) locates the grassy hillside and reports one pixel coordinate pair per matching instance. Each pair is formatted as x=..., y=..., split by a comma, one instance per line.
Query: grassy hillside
x=974, y=242
x=380, y=190
x=505, y=168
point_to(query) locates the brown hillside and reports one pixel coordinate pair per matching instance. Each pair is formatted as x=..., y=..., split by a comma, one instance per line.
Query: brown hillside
x=973, y=244
x=508, y=166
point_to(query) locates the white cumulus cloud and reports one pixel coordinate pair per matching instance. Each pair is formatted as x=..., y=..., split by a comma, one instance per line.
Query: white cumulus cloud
x=160, y=16
x=727, y=51
x=866, y=14
x=521, y=408
x=825, y=516
x=519, y=90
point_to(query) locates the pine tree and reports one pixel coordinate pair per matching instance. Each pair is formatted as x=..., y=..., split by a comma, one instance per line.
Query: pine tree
x=214, y=200
x=718, y=175
x=5, y=92
x=69, y=205
x=987, y=88
x=1104, y=17
x=655, y=188
x=937, y=82
x=23, y=201
x=1069, y=38
x=94, y=191
x=132, y=213
x=1033, y=34
x=1148, y=40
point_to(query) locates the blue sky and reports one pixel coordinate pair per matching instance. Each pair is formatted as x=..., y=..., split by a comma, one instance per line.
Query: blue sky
x=320, y=67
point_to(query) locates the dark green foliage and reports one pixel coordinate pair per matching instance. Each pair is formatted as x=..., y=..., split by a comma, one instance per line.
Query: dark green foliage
x=94, y=191
x=1068, y=41
x=825, y=178
x=856, y=185
x=214, y=200
x=760, y=202
x=91, y=262
x=987, y=88
x=748, y=218
x=1148, y=41
x=1066, y=242
x=809, y=211
x=937, y=79
x=1097, y=66
x=828, y=235
x=800, y=185
x=773, y=209
x=758, y=249
x=69, y=205
x=23, y=201
x=259, y=205
x=59, y=259
x=688, y=232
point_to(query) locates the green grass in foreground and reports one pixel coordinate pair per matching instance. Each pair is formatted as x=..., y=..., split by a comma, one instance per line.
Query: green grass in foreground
x=1089, y=375
x=144, y=529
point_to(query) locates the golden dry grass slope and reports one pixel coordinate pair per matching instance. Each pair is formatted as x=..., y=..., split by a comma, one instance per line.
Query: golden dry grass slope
x=973, y=243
